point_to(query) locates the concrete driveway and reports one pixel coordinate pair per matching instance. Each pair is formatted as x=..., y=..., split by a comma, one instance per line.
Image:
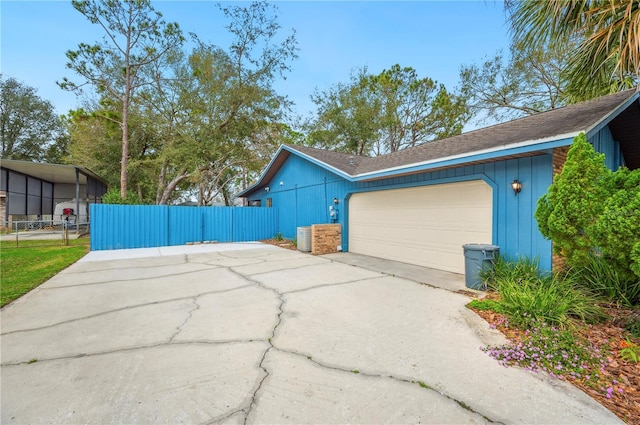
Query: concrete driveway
x=250, y=333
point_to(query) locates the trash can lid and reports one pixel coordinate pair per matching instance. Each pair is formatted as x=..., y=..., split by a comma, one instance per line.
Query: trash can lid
x=481, y=247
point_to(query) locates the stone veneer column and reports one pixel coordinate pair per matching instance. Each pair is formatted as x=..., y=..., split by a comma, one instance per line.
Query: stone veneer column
x=325, y=238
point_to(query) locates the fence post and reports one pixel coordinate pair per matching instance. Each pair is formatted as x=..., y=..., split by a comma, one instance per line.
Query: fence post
x=16, y=224
x=231, y=227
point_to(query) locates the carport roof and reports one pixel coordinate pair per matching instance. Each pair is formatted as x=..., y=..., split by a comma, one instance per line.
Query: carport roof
x=54, y=173
x=522, y=137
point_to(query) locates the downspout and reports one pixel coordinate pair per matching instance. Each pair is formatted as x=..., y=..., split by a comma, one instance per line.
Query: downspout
x=6, y=202
x=326, y=211
x=77, y=199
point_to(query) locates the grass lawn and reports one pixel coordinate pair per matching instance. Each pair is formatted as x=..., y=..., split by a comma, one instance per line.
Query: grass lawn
x=25, y=267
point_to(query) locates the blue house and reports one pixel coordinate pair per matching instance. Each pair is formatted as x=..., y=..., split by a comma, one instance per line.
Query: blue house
x=421, y=204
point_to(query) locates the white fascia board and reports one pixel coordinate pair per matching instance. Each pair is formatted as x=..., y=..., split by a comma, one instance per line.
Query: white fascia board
x=262, y=175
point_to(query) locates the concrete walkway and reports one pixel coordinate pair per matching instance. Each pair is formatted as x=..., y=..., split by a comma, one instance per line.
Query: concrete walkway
x=249, y=333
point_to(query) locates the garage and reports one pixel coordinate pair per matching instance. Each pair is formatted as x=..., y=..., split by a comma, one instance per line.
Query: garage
x=425, y=225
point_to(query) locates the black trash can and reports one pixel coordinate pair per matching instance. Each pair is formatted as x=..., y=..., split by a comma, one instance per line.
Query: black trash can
x=476, y=257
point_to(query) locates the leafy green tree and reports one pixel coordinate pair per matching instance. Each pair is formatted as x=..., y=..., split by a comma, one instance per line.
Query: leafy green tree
x=136, y=39
x=525, y=82
x=391, y=111
x=199, y=118
x=230, y=103
x=569, y=209
x=414, y=110
x=94, y=143
x=607, y=58
x=348, y=117
x=28, y=123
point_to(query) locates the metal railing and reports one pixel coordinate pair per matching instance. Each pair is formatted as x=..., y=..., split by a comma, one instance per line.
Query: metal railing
x=46, y=232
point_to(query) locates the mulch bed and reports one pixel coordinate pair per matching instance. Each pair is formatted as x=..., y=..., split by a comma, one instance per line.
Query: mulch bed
x=282, y=243
x=624, y=374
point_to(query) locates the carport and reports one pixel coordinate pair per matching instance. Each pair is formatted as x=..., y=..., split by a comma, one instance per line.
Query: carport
x=33, y=189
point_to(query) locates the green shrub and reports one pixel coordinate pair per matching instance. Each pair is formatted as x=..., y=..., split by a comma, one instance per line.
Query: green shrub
x=633, y=327
x=630, y=352
x=486, y=305
x=635, y=259
x=605, y=278
x=529, y=296
x=522, y=270
x=588, y=209
x=113, y=197
x=616, y=231
x=573, y=202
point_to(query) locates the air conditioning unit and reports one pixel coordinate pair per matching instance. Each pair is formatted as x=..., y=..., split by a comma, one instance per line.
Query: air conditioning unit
x=304, y=238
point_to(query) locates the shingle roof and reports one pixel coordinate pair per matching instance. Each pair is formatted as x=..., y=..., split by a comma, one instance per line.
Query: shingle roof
x=554, y=125
x=347, y=163
x=568, y=120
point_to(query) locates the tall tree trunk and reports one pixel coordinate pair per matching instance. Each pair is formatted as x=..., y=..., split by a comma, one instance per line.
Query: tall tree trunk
x=128, y=89
x=201, y=194
x=227, y=200
x=161, y=182
x=125, y=152
x=166, y=194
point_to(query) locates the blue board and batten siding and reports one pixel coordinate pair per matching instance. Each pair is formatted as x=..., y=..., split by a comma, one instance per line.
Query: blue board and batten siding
x=603, y=142
x=302, y=192
x=146, y=226
x=308, y=190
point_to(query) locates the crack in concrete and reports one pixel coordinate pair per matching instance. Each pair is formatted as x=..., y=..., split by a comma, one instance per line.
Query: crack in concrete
x=277, y=323
x=136, y=348
x=189, y=316
x=280, y=295
x=119, y=267
x=129, y=280
x=128, y=308
x=297, y=291
x=262, y=258
x=225, y=416
x=247, y=407
x=358, y=372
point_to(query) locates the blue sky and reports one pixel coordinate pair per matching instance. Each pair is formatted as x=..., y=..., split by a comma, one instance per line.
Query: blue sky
x=334, y=37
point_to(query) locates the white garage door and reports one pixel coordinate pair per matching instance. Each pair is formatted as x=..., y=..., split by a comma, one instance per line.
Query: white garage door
x=424, y=225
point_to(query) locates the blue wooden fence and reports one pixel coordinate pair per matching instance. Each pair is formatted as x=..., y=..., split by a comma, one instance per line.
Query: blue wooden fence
x=145, y=226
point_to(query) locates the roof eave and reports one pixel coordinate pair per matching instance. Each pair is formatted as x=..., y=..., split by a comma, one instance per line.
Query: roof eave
x=264, y=173
x=291, y=150
x=482, y=155
x=605, y=120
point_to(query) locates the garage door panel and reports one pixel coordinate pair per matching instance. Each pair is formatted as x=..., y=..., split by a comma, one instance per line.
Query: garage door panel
x=423, y=225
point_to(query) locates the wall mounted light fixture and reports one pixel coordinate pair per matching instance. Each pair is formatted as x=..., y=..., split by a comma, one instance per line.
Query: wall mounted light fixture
x=516, y=186
x=335, y=201
x=266, y=189
x=281, y=183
